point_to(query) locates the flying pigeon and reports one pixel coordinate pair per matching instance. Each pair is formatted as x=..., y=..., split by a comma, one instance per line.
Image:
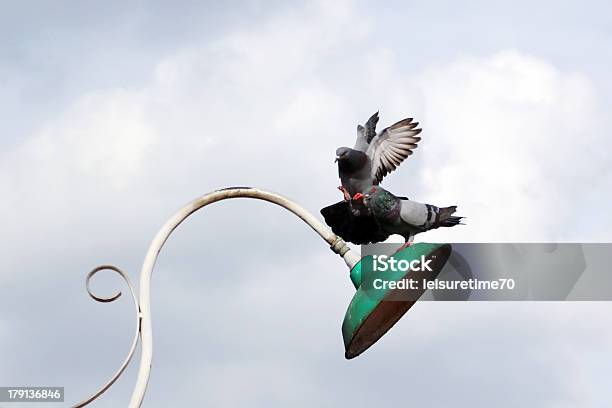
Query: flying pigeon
x=398, y=215
x=374, y=155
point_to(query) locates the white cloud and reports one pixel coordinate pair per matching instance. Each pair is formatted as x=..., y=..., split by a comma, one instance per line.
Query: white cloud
x=104, y=137
x=267, y=105
x=508, y=138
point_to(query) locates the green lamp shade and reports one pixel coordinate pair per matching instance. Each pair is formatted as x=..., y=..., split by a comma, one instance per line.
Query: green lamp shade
x=374, y=310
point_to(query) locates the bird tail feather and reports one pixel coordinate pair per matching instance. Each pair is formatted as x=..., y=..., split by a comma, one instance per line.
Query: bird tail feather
x=446, y=217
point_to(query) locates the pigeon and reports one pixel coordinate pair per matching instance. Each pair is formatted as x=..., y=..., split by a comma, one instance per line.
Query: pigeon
x=398, y=215
x=374, y=155
x=354, y=222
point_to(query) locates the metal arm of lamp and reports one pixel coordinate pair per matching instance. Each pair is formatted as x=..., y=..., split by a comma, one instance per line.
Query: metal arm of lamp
x=143, y=302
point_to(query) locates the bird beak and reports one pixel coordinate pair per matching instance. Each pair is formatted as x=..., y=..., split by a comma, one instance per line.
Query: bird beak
x=336, y=159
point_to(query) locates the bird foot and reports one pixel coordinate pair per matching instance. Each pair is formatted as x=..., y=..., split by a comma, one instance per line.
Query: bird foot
x=406, y=245
x=347, y=196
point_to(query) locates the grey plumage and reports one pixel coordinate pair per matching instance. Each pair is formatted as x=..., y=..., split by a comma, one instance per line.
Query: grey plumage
x=369, y=212
x=375, y=154
x=398, y=215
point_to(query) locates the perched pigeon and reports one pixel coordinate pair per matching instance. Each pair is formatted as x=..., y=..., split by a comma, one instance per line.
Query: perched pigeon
x=375, y=155
x=398, y=215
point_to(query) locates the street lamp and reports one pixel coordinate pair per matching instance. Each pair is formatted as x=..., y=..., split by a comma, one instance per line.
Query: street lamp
x=369, y=316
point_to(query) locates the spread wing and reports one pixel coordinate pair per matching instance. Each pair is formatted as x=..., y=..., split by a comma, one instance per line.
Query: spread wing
x=388, y=149
x=366, y=134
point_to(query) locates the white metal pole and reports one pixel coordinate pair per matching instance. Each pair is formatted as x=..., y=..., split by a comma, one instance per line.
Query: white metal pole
x=336, y=243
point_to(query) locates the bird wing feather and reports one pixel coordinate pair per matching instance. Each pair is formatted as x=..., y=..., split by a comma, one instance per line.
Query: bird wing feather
x=366, y=134
x=389, y=148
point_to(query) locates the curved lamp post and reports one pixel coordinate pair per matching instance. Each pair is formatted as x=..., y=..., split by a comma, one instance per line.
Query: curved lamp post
x=369, y=316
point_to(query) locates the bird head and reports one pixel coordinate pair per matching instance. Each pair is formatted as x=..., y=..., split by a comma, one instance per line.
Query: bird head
x=342, y=153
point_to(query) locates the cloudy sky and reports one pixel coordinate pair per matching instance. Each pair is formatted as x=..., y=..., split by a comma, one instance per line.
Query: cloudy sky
x=114, y=115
